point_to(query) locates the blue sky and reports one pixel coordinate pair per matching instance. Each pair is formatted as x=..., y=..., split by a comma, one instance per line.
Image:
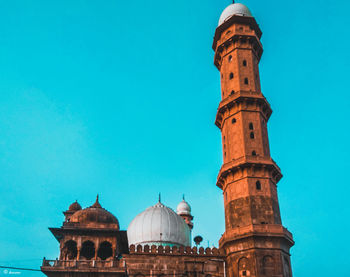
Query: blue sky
x=119, y=98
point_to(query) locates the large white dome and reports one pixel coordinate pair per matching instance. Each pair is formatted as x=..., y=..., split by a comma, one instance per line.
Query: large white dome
x=159, y=225
x=234, y=9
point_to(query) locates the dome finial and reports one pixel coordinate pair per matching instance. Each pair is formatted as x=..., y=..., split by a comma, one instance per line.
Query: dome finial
x=183, y=197
x=159, y=198
x=97, y=203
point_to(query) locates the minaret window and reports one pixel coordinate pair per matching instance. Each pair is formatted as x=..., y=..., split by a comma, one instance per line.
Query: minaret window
x=251, y=126
x=230, y=58
x=252, y=136
x=244, y=63
x=234, y=120
x=253, y=153
x=246, y=81
x=232, y=92
x=258, y=185
x=231, y=76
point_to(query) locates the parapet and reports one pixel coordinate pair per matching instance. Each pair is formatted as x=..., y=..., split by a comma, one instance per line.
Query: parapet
x=167, y=250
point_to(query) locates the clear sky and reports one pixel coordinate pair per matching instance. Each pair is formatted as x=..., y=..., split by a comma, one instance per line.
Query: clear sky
x=119, y=98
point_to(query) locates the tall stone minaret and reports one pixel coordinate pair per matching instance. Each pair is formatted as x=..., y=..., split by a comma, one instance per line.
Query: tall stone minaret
x=255, y=242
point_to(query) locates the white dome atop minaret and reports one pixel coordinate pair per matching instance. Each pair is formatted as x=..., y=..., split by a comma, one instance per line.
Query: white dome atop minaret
x=234, y=9
x=183, y=208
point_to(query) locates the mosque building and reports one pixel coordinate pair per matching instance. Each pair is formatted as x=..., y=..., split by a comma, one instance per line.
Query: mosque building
x=157, y=242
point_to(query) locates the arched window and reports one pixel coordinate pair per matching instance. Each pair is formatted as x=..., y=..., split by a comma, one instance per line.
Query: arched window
x=230, y=58
x=268, y=266
x=258, y=185
x=252, y=135
x=251, y=126
x=246, y=81
x=244, y=63
x=232, y=92
x=69, y=251
x=105, y=250
x=139, y=275
x=231, y=76
x=243, y=267
x=88, y=250
x=253, y=153
x=234, y=120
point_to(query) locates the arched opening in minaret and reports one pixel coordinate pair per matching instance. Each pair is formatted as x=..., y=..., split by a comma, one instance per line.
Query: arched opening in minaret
x=231, y=76
x=105, y=250
x=234, y=120
x=252, y=136
x=253, y=153
x=246, y=81
x=232, y=92
x=244, y=63
x=258, y=185
x=243, y=267
x=230, y=58
x=69, y=251
x=268, y=266
x=88, y=250
x=251, y=126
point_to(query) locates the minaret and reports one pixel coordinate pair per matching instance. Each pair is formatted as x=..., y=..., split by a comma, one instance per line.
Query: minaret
x=184, y=210
x=255, y=242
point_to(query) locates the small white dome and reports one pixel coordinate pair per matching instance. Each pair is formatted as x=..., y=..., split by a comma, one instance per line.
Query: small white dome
x=234, y=9
x=183, y=208
x=159, y=225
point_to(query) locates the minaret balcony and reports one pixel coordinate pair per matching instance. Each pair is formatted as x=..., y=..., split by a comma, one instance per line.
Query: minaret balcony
x=243, y=100
x=248, y=161
x=257, y=230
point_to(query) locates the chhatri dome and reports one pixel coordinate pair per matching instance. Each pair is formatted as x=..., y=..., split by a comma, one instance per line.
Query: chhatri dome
x=234, y=9
x=159, y=225
x=74, y=207
x=93, y=217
